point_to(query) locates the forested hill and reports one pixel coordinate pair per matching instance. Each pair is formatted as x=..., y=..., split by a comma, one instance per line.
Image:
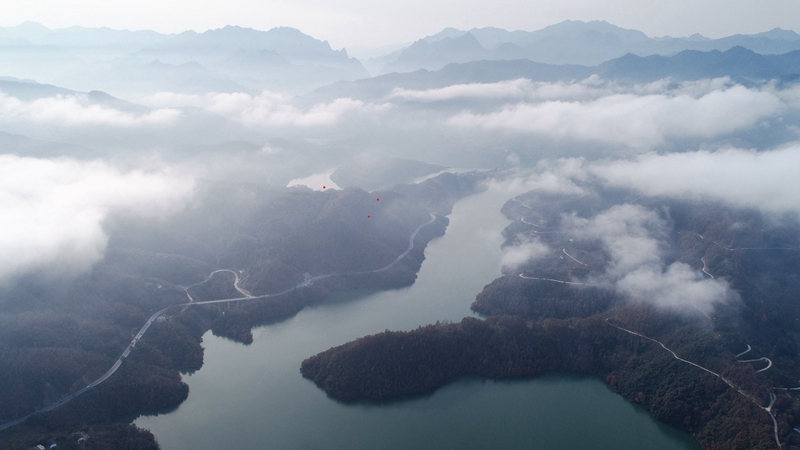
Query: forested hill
x=720, y=366
x=59, y=333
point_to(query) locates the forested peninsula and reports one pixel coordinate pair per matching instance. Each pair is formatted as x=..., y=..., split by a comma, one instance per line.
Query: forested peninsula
x=723, y=368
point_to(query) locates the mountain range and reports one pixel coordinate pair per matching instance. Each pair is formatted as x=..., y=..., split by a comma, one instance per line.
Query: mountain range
x=740, y=64
x=569, y=42
x=135, y=64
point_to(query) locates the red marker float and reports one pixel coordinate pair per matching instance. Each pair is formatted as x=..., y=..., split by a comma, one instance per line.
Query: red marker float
x=377, y=199
x=368, y=217
x=323, y=187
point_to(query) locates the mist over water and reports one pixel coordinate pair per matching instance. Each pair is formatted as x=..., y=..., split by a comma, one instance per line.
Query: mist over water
x=317, y=181
x=253, y=396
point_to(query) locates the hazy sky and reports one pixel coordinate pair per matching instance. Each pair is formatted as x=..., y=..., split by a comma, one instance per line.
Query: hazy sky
x=374, y=23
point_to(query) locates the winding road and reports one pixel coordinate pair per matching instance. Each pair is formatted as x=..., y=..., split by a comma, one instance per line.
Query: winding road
x=247, y=296
x=573, y=258
x=769, y=362
x=556, y=281
x=522, y=219
x=772, y=396
x=735, y=249
x=235, y=284
x=705, y=267
x=521, y=203
x=763, y=358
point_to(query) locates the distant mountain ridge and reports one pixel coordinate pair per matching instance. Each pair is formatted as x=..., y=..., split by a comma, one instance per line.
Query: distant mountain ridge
x=570, y=42
x=139, y=63
x=290, y=43
x=738, y=63
x=136, y=64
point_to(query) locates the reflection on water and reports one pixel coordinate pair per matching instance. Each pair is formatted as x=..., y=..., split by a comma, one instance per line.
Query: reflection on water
x=254, y=397
x=317, y=181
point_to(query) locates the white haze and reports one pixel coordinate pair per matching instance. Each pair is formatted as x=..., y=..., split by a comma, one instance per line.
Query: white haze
x=413, y=123
x=640, y=117
x=549, y=176
x=275, y=110
x=52, y=211
x=634, y=237
x=268, y=109
x=528, y=250
x=76, y=110
x=590, y=88
x=631, y=120
x=765, y=180
x=168, y=120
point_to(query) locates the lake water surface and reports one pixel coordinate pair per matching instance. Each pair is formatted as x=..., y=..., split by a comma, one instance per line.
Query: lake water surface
x=253, y=397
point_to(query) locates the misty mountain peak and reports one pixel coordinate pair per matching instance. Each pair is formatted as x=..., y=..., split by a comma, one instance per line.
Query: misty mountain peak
x=437, y=54
x=697, y=37
x=31, y=31
x=447, y=33
x=779, y=33
x=574, y=28
x=31, y=26
x=423, y=48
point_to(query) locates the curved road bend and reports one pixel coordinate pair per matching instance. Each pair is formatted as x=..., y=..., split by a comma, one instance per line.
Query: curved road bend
x=522, y=219
x=705, y=267
x=235, y=284
x=521, y=203
x=763, y=358
x=772, y=396
x=247, y=296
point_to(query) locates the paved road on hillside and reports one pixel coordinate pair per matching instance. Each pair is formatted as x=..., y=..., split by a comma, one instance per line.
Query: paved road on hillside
x=247, y=296
x=772, y=396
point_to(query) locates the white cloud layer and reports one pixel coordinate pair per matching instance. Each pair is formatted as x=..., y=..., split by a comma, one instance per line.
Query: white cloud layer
x=75, y=110
x=52, y=211
x=522, y=253
x=174, y=100
x=271, y=109
x=642, y=118
x=520, y=88
x=268, y=109
x=634, y=237
x=549, y=176
x=766, y=180
x=590, y=88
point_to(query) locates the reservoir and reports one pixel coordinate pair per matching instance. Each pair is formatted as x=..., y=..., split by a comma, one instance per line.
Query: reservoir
x=254, y=397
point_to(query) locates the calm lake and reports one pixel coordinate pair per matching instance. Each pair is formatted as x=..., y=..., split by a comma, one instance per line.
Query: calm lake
x=254, y=397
